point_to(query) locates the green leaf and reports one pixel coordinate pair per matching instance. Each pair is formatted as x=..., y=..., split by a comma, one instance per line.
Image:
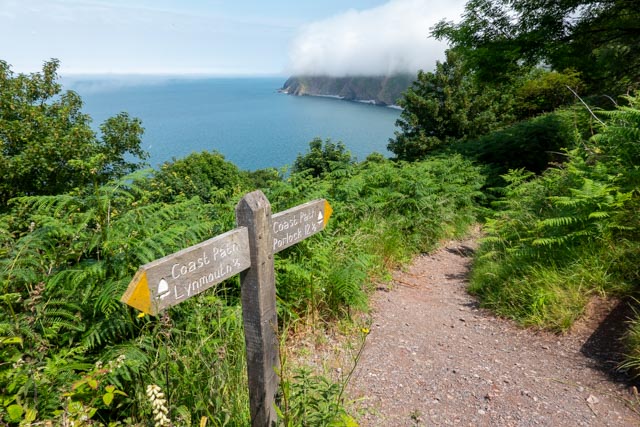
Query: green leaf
x=107, y=398
x=11, y=340
x=348, y=421
x=15, y=413
x=30, y=415
x=75, y=407
x=93, y=383
x=599, y=215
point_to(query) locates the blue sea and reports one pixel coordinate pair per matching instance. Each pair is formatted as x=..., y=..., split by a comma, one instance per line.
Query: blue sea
x=245, y=119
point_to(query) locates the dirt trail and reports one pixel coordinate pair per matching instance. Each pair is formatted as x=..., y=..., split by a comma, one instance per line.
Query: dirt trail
x=434, y=358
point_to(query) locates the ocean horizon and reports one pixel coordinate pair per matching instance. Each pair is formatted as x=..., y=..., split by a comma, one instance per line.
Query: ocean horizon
x=246, y=119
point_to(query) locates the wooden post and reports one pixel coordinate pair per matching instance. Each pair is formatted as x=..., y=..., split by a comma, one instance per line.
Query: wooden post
x=258, y=293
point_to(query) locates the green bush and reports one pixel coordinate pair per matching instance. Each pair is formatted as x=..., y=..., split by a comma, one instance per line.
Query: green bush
x=533, y=144
x=206, y=175
x=322, y=158
x=570, y=233
x=545, y=91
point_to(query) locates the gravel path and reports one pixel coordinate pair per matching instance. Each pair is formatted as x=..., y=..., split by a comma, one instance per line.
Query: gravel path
x=434, y=358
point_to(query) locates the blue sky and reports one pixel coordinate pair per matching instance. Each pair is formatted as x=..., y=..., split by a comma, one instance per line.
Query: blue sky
x=241, y=37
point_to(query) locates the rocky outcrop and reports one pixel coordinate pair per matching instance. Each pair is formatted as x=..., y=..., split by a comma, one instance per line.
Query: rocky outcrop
x=380, y=90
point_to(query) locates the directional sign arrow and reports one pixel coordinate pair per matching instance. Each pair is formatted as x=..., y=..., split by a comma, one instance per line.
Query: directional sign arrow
x=170, y=280
x=298, y=223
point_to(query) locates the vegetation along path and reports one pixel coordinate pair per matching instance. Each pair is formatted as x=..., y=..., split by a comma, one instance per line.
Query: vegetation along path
x=433, y=357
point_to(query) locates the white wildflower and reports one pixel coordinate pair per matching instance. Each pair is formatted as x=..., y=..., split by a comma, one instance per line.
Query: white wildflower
x=18, y=363
x=117, y=364
x=159, y=405
x=120, y=361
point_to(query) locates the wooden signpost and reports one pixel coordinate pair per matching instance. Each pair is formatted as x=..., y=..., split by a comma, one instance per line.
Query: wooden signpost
x=247, y=250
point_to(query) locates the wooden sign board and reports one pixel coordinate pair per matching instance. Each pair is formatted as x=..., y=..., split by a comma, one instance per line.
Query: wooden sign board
x=298, y=223
x=170, y=280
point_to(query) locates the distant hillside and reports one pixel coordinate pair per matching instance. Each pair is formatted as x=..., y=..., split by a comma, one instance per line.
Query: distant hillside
x=380, y=90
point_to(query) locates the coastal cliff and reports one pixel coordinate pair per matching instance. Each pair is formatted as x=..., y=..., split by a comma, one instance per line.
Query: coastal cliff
x=379, y=90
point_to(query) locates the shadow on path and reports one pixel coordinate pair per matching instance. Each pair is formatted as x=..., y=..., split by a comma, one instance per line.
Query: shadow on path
x=605, y=346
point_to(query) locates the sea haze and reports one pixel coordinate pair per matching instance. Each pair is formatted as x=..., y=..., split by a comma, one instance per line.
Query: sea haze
x=245, y=119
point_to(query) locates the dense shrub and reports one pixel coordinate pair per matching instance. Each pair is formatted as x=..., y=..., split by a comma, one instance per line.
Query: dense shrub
x=545, y=91
x=532, y=144
x=207, y=175
x=322, y=158
x=568, y=234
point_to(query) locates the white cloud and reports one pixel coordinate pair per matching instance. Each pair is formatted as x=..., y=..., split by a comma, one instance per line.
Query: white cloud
x=384, y=40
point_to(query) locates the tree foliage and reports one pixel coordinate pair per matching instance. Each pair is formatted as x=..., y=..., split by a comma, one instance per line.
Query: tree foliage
x=544, y=91
x=599, y=39
x=532, y=144
x=445, y=106
x=47, y=145
x=207, y=175
x=322, y=158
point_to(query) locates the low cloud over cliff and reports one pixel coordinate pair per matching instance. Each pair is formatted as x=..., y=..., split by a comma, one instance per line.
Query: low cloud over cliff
x=392, y=38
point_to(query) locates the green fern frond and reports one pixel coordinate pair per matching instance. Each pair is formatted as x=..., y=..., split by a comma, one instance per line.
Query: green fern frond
x=345, y=285
x=293, y=271
x=567, y=202
x=558, y=221
x=53, y=326
x=549, y=241
x=86, y=275
x=108, y=331
x=108, y=298
x=46, y=205
x=490, y=255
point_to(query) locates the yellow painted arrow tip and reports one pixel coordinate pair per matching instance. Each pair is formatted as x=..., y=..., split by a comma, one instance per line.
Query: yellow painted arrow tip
x=328, y=210
x=138, y=294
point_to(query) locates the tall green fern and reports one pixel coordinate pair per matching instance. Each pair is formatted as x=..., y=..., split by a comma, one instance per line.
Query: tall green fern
x=68, y=259
x=569, y=232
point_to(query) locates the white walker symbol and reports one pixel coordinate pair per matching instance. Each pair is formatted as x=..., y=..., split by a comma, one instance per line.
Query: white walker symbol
x=163, y=289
